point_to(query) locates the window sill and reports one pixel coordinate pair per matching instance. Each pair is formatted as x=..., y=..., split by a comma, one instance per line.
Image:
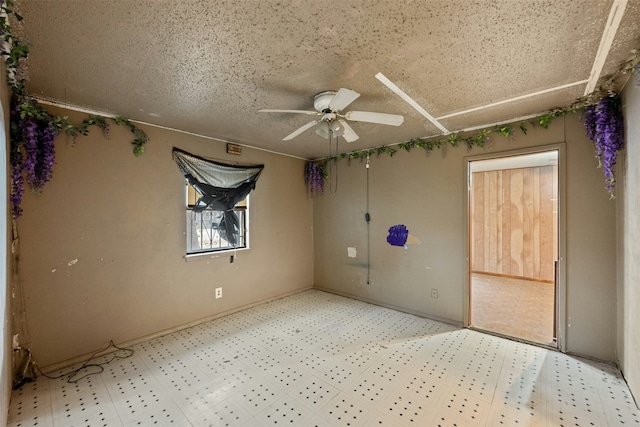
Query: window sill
x=213, y=255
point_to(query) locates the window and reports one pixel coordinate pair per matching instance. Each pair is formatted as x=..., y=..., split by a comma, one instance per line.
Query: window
x=216, y=202
x=206, y=231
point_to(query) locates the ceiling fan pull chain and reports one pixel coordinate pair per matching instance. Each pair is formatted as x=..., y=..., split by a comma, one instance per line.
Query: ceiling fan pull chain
x=334, y=163
x=330, y=165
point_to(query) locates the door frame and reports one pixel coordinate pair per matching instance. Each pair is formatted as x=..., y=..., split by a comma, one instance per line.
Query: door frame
x=561, y=283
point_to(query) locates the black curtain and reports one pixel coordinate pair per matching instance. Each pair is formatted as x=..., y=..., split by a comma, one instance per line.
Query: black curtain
x=221, y=187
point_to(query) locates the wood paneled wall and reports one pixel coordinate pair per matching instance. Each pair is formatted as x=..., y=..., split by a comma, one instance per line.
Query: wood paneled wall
x=514, y=224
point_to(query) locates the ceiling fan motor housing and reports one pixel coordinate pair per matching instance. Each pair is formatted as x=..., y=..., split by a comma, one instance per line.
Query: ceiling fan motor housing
x=322, y=100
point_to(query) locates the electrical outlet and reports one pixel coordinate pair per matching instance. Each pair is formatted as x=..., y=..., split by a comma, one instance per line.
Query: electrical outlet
x=218, y=293
x=434, y=293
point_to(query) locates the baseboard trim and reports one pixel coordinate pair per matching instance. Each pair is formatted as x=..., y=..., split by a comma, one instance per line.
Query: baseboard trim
x=79, y=359
x=391, y=306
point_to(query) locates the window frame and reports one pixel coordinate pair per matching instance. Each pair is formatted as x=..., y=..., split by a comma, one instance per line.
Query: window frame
x=213, y=252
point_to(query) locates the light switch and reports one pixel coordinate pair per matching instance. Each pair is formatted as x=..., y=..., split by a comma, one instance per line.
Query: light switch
x=351, y=252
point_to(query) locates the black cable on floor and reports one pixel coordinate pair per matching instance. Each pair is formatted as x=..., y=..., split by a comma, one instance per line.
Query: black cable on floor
x=98, y=367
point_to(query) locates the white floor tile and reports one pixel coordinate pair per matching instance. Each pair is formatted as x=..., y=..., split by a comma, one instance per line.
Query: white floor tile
x=458, y=405
x=314, y=393
x=165, y=415
x=31, y=404
x=227, y=413
x=338, y=374
x=318, y=359
x=405, y=407
x=505, y=416
x=286, y=411
x=198, y=401
x=81, y=402
x=258, y=395
x=288, y=376
x=345, y=410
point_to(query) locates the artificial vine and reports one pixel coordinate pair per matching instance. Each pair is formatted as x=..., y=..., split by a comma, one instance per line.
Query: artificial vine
x=601, y=110
x=314, y=176
x=33, y=128
x=604, y=127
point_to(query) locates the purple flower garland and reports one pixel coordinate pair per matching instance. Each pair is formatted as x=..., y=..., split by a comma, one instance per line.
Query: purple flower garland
x=32, y=152
x=604, y=126
x=314, y=175
x=17, y=183
x=46, y=156
x=33, y=129
x=33, y=135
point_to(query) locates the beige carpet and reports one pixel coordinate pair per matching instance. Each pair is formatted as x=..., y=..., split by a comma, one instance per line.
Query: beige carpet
x=518, y=308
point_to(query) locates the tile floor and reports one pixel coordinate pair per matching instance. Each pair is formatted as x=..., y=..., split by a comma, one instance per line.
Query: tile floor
x=317, y=359
x=518, y=308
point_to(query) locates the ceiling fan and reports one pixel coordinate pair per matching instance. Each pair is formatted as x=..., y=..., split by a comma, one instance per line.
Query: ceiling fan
x=328, y=106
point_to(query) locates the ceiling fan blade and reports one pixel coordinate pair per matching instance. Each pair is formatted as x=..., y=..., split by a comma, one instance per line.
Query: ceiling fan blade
x=371, y=117
x=299, y=130
x=343, y=98
x=311, y=113
x=349, y=134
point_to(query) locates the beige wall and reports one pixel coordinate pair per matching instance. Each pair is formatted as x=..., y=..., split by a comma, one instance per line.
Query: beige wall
x=427, y=195
x=121, y=217
x=102, y=246
x=591, y=257
x=629, y=243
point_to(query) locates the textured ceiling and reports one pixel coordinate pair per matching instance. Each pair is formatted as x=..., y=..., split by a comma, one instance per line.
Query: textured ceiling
x=206, y=67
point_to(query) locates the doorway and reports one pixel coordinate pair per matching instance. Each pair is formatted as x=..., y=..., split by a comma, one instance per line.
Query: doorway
x=514, y=245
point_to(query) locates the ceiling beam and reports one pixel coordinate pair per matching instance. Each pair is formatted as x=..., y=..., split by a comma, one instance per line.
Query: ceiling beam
x=388, y=83
x=517, y=98
x=610, y=29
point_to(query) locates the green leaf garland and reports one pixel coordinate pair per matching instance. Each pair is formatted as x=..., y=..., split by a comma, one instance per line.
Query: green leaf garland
x=481, y=137
x=31, y=115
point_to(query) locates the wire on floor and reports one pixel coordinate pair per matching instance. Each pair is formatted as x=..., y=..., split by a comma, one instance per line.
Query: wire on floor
x=74, y=375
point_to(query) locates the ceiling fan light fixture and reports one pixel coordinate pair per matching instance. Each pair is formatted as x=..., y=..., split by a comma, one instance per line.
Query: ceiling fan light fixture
x=327, y=128
x=336, y=128
x=323, y=130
